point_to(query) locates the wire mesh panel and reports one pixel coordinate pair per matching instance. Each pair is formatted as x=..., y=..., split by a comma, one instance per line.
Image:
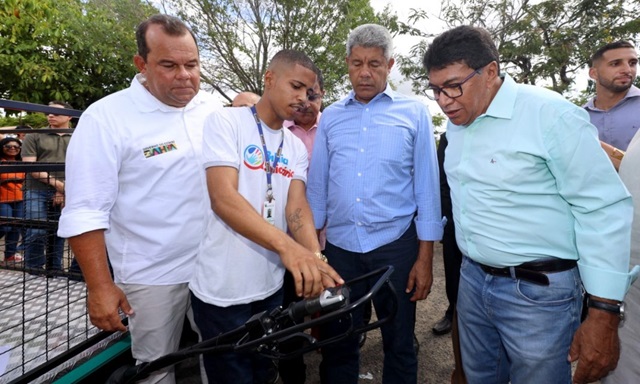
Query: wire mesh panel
x=44, y=325
x=42, y=318
x=43, y=312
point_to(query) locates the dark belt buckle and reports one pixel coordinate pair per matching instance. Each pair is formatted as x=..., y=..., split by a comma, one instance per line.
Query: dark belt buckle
x=504, y=272
x=532, y=276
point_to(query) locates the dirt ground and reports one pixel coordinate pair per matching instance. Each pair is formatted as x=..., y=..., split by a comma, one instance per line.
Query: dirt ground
x=435, y=359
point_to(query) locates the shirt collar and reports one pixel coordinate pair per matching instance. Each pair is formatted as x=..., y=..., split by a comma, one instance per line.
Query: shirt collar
x=58, y=134
x=388, y=92
x=146, y=102
x=504, y=101
x=632, y=92
x=292, y=124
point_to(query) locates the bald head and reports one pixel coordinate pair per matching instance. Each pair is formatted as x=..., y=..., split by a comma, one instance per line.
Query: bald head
x=245, y=99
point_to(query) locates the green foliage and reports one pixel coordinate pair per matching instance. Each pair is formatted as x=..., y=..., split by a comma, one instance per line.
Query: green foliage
x=72, y=50
x=583, y=96
x=438, y=120
x=237, y=38
x=541, y=43
x=35, y=120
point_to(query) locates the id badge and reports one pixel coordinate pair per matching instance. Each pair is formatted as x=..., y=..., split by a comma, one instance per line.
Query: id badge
x=269, y=211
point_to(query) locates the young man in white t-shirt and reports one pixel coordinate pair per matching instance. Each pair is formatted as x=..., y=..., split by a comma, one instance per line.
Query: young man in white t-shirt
x=256, y=174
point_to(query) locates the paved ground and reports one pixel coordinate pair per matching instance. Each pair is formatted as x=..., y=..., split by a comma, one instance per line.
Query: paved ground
x=435, y=358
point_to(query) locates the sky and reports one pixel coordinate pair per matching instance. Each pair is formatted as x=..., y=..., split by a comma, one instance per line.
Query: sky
x=433, y=25
x=402, y=45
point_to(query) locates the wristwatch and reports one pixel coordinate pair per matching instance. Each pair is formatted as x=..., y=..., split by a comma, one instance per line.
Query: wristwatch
x=617, y=309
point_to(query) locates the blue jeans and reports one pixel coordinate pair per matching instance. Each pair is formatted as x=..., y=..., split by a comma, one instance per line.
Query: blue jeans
x=11, y=234
x=341, y=360
x=38, y=206
x=233, y=368
x=514, y=330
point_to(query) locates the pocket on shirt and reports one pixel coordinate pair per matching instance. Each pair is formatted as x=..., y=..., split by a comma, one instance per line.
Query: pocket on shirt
x=394, y=145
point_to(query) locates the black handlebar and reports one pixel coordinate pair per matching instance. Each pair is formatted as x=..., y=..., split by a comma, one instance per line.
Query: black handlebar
x=263, y=332
x=329, y=300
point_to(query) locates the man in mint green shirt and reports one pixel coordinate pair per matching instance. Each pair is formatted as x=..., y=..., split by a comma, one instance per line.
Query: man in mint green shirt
x=539, y=211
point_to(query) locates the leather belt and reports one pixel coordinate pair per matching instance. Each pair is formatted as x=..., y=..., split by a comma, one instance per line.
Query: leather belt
x=532, y=271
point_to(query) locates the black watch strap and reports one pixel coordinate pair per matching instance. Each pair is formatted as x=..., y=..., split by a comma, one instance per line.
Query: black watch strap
x=613, y=308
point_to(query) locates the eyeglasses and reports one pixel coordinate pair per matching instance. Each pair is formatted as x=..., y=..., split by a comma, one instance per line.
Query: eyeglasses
x=452, y=91
x=11, y=146
x=313, y=96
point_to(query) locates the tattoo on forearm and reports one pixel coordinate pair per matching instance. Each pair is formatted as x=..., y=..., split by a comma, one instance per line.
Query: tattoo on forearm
x=295, y=221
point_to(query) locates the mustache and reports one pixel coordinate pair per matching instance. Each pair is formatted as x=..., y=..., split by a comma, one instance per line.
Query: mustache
x=300, y=107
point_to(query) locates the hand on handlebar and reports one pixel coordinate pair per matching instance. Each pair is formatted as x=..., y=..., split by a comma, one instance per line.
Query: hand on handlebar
x=329, y=300
x=310, y=274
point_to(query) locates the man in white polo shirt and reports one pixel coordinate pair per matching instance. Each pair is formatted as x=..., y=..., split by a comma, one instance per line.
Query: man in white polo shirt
x=135, y=188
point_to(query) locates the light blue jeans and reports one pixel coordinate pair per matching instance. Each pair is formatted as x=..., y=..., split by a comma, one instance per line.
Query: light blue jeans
x=514, y=330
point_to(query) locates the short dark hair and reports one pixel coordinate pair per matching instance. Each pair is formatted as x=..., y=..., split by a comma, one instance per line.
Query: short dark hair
x=59, y=102
x=171, y=25
x=291, y=57
x=472, y=46
x=607, y=47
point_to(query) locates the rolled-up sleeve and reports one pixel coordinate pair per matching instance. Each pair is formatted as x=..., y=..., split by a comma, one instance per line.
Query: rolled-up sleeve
x=599, y=202
x=91, y=186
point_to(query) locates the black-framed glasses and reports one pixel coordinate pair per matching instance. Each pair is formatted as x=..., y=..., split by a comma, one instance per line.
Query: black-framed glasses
x=452, y=91
x=311, y=96
x=7, y=146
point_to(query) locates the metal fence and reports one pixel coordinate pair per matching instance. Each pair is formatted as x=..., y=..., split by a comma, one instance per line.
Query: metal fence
x=44, y=324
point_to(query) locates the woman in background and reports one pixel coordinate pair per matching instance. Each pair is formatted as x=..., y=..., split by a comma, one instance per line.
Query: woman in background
x=10, y=197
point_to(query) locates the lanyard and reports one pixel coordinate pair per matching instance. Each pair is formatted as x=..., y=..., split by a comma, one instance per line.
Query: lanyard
x=268, y=167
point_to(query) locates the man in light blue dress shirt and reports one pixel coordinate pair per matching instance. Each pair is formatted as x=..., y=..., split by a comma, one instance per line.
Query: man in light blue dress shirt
x=539, y=212
x=374, y=182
